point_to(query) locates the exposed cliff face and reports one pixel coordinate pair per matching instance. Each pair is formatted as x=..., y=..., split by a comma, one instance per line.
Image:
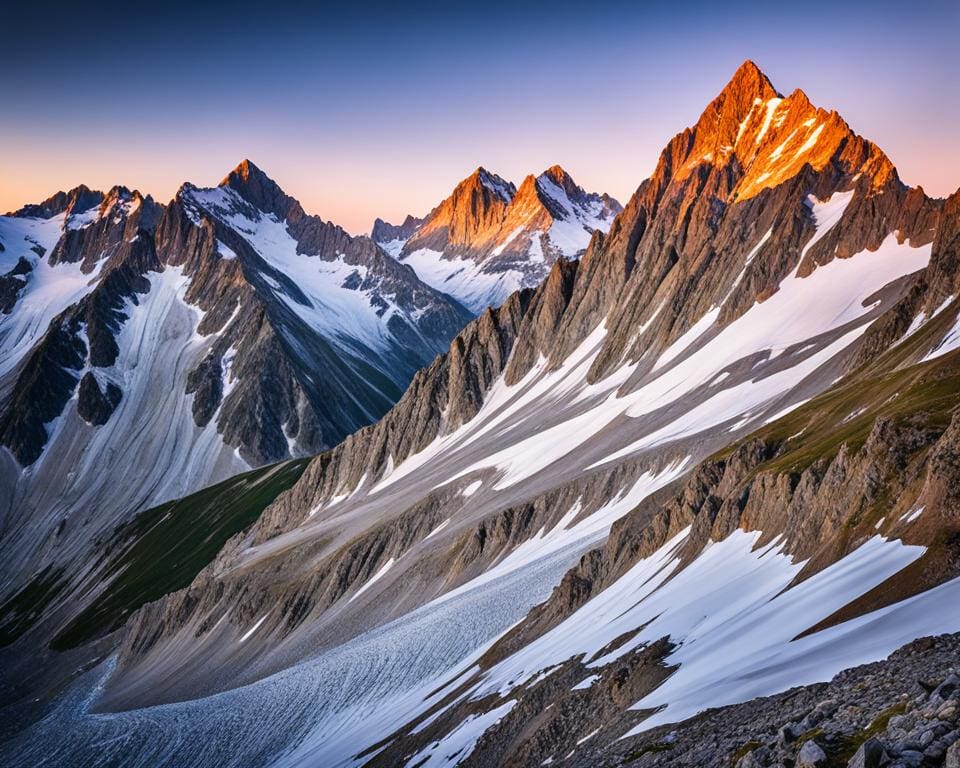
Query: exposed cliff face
x=78, y=200
x=490, y=238
x=468, y=220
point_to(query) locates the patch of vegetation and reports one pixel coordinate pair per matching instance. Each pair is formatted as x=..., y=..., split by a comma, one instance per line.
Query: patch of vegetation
x=844, y=749
x=845, y=414
x=659, y=746
x=164, y=548
x=812, y=735
x=21, y=611
x=745, y=750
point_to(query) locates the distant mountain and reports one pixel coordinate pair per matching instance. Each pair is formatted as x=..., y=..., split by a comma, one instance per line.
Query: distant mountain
x=391, y=237
x=489, y=239
x=154, y=349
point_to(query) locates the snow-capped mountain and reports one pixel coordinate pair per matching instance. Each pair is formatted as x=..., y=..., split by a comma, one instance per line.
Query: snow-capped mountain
x=489, y=239
x=149, y=351
x=713, y=458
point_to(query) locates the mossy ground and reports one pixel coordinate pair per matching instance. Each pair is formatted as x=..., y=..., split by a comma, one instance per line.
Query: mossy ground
x=840, y=753
x=928, y=394
x=647, y=749
x=22, y=610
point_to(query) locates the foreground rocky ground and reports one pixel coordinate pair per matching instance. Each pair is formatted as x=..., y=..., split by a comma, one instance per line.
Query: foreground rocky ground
x=903, y=712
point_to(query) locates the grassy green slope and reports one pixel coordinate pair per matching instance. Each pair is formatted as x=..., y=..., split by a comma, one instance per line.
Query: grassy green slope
x=164, y=548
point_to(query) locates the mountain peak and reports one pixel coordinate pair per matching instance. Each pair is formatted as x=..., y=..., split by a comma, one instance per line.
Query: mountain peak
x=80, y=198
x=748, y=87
x=258, y=189
x=504, y=189
x=772, y=137
x=751, y=80
x=246, y=172
x=557, y=173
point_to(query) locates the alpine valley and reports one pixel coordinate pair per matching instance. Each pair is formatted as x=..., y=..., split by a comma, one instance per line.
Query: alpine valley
x=537, y=479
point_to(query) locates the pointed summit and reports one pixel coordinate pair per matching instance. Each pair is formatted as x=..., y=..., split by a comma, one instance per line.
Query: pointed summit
x=504, y=189
x=557, y=173
x=244, y=170
x=750, y=80
x=258, y=189
x=557, y=177
x=771, y=138
x=246, y=174
x=722, y=121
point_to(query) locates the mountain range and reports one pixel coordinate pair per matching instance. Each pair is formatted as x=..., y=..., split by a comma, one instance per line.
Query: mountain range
x=688, y=453
x=154, y=350
x=490, y=239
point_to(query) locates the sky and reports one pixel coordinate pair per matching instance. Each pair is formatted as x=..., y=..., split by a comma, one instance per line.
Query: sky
x=379, y=109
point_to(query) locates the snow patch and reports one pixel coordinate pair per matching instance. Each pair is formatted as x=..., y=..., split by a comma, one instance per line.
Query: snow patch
x=948, y=343
x=254, y=628
x=373, y=579
x=457, y=745
x=587, y=682
x=472, y=488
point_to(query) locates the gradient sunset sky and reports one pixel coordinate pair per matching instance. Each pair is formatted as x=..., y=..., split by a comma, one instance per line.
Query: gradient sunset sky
x=378, y=109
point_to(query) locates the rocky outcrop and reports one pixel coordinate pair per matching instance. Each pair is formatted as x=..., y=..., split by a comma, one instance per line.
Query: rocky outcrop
x=95, y=405
x=12, y=283
x=898, y=712
x=47, y=382
x=901, y=712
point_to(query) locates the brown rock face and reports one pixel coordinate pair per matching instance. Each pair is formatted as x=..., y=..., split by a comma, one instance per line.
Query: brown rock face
x=469, y=220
